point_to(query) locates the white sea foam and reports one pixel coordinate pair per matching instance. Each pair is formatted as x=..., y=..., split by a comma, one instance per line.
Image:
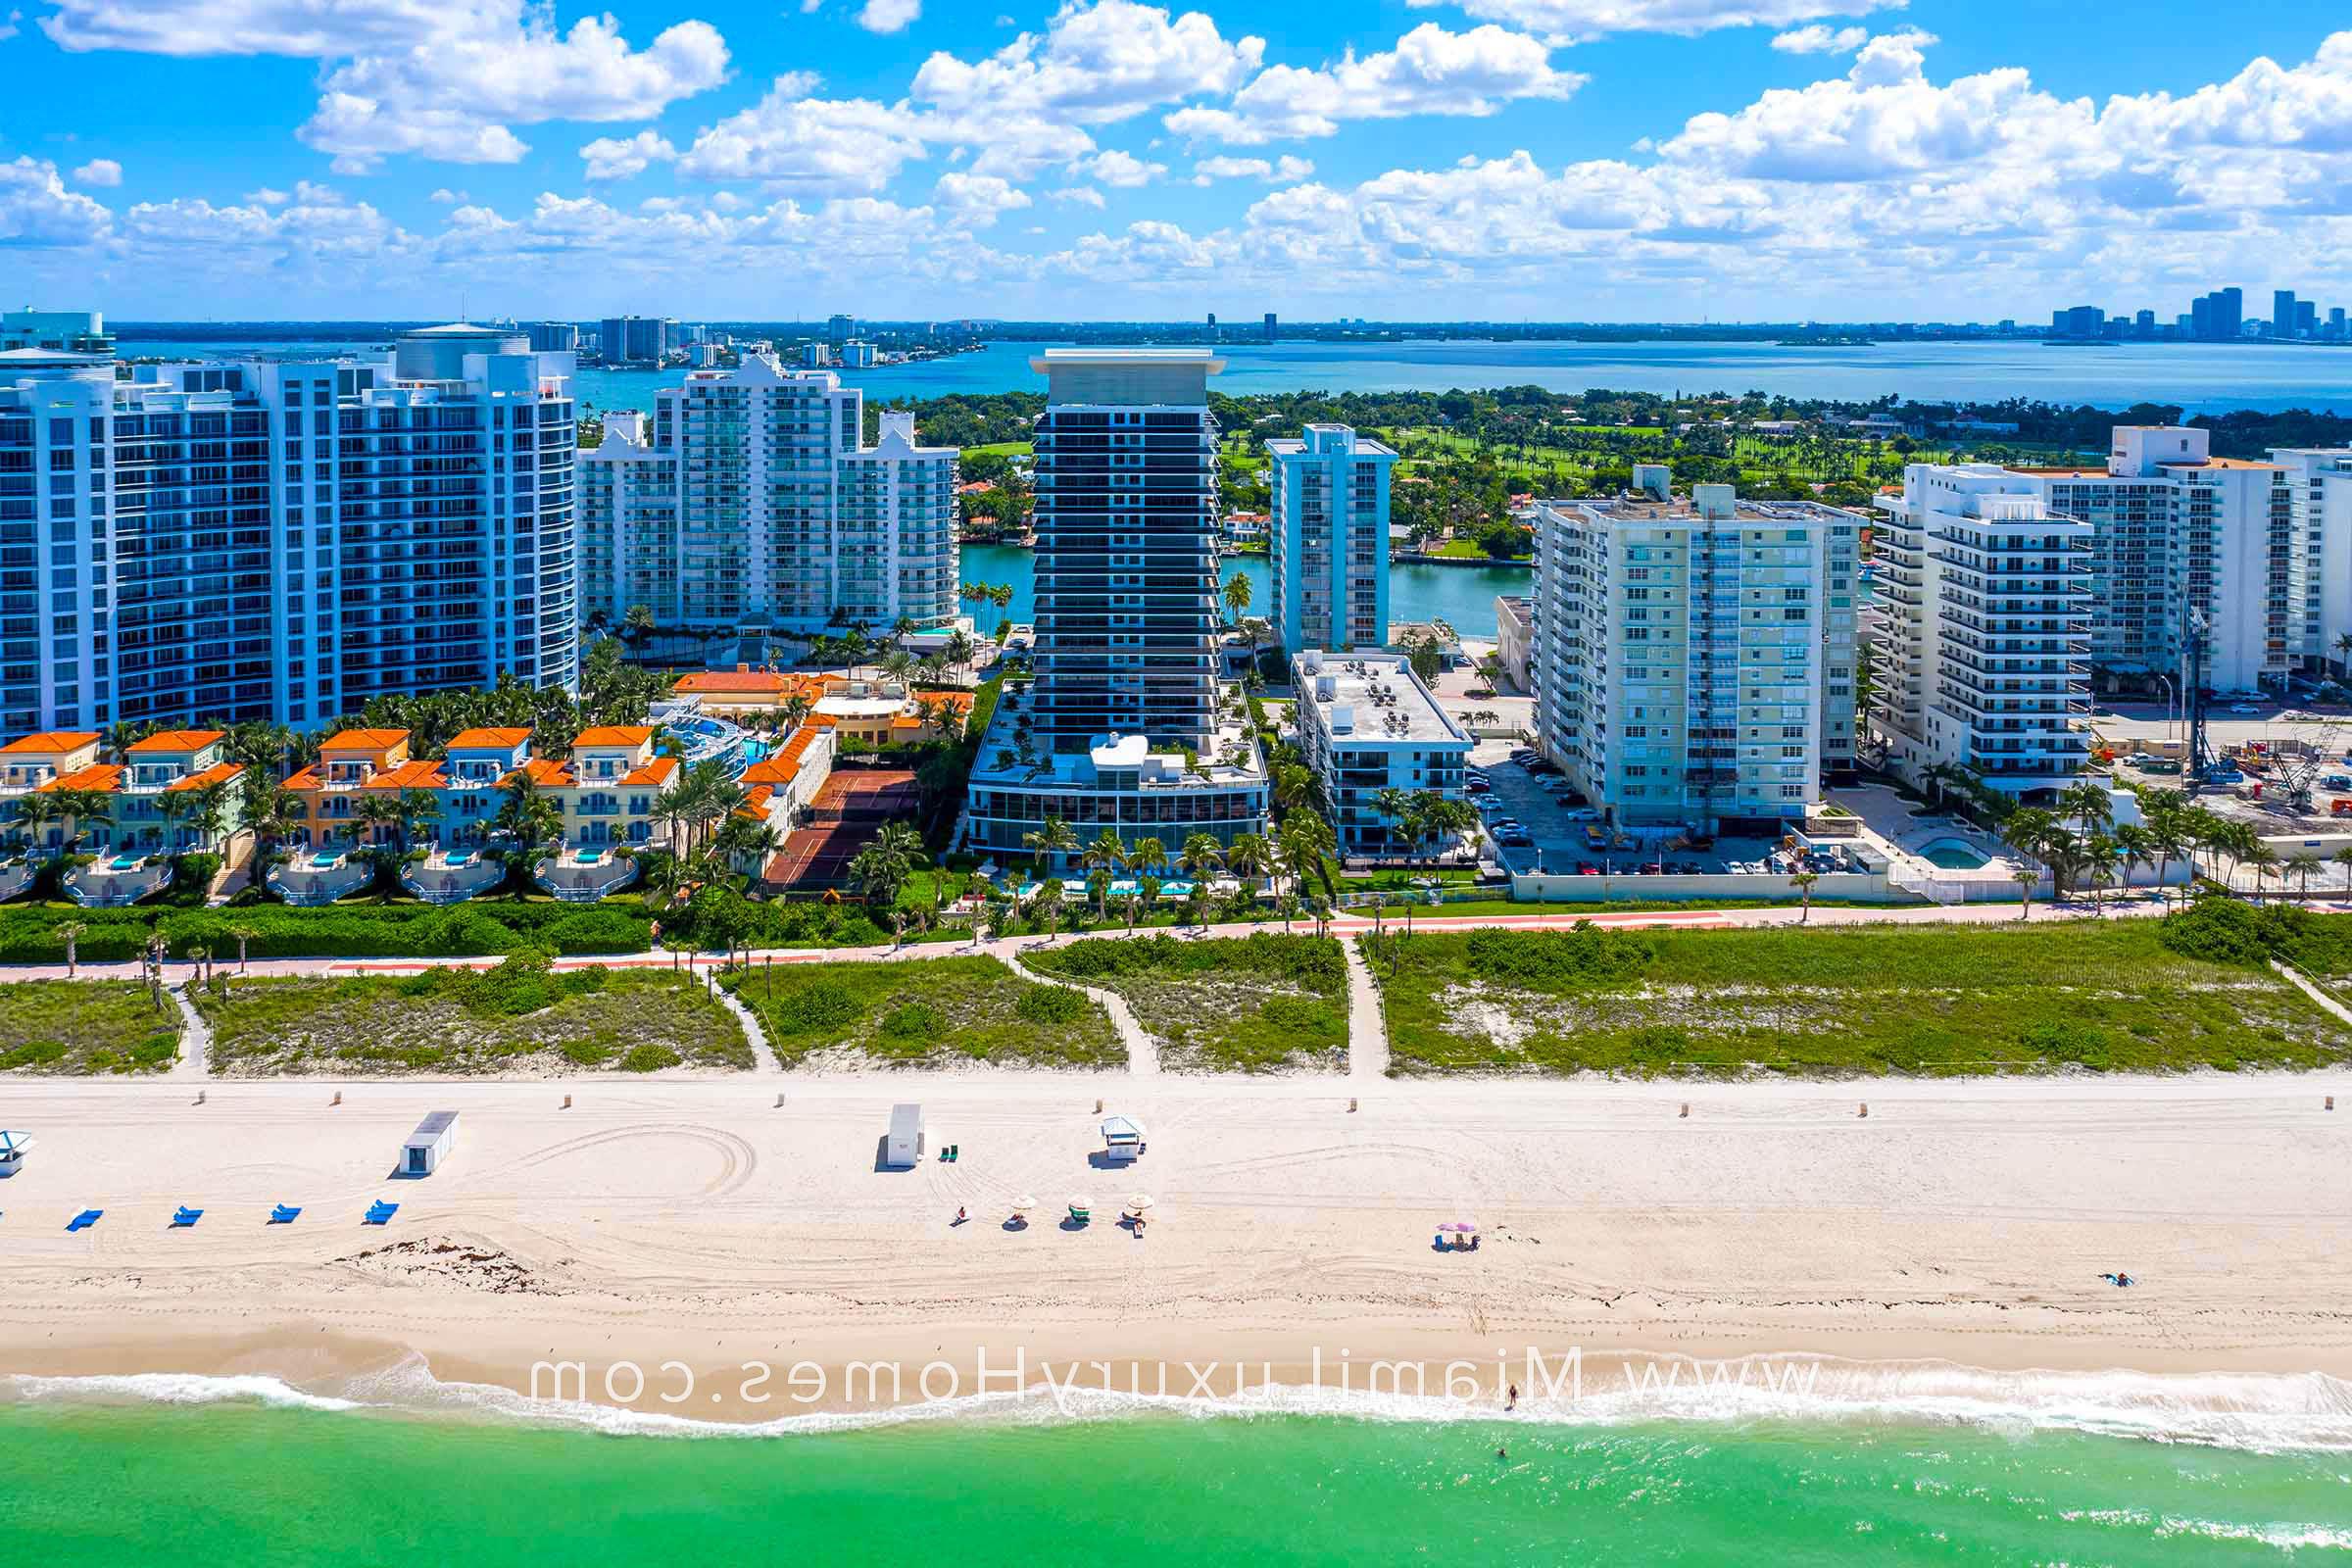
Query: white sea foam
x=2259, y=1412
x=168, y=1388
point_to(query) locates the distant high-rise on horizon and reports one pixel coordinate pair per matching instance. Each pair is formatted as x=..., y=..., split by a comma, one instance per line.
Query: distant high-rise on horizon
x=1269, y=326
x=635, y=339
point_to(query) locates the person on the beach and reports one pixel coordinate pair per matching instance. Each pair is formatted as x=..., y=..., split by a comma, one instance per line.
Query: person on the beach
x=958, y=1213
x=1512, y=1402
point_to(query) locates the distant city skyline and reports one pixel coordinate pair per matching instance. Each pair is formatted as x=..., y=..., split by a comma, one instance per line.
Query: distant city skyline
x=1637, y=160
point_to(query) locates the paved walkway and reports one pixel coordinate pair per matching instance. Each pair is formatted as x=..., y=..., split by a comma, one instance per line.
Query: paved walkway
x=193, y=1064
x=763, y=1059
x=1367, y=1024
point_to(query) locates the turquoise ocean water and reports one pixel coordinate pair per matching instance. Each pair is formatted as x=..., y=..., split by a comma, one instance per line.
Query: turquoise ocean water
x=248, y=1484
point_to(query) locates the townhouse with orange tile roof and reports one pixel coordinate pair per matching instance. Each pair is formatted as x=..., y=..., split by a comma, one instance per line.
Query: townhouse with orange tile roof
x=609, y=786
x=175, y=793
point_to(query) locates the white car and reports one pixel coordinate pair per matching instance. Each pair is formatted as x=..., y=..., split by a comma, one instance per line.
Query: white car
x=1579, y=813
x=2243, y=707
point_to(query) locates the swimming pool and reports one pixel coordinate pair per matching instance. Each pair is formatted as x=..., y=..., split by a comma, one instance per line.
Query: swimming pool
x=1952, y=854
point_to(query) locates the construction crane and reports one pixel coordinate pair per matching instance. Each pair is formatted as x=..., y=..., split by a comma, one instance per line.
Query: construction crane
x=2200, y=761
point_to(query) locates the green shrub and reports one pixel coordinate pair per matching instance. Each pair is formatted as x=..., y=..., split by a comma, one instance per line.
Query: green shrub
x=913, y=1022
x=1051, y=1005
x=588, y=1052
x=649, y=1058
x=2218, y=930
x=1583, y=954
x=809, y=1009
x=33, y=1054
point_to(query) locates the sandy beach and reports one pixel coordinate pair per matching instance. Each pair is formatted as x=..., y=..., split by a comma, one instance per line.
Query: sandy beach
x=702, y=1225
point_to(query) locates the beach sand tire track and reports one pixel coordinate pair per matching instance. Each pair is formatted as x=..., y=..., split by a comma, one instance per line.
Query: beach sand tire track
x=738, y=1159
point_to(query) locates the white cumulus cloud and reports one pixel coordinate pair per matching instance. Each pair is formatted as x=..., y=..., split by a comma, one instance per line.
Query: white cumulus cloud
x=888, y=16
x=99, y=172
x=1430, y=72
x=1569, y=19
x=1820, y=40
x=623, y=158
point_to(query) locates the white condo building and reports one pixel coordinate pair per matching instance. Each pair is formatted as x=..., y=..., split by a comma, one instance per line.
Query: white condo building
x=283, y=540
x=1328, y=546
x=2175, y=531
x=2319, y=498
x=751, y=501
x=1367, y=725
x=1694, y=659
x=1988, y=628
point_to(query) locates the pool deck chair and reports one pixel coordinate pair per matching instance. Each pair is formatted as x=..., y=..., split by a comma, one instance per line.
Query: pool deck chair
x=379, y=1211
x=285, y=1214
x=183, y=1218
x=85, y=1219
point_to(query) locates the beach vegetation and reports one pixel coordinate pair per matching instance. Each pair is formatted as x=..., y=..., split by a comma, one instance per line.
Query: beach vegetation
x=520, y=1016
x=1250, y=1004
x=1850, y=1000
x=83, y=1028
x=924, y=1013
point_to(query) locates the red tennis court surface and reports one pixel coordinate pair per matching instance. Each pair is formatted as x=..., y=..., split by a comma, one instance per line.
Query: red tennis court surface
x=849, y=807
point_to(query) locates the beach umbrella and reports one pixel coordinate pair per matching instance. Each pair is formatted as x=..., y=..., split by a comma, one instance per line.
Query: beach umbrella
x=1139, y=1203
x=1080, y=1205
x=1023, y=1203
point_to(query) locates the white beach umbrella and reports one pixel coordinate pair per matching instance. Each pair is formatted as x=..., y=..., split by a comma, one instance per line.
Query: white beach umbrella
x=1139, y=1203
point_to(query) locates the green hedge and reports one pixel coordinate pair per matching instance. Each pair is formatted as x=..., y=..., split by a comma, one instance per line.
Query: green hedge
x=28, y=936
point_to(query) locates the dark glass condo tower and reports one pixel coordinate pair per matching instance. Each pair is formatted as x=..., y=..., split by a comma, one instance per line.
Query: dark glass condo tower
x=1127, y=609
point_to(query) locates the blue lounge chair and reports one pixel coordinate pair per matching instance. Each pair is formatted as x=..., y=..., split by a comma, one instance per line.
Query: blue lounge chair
x=183, y=1218
x=85, y=1219
x=285, y=1214
x=379, y=1211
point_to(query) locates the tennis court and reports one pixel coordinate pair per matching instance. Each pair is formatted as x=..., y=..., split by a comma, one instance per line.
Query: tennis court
x=849, y=807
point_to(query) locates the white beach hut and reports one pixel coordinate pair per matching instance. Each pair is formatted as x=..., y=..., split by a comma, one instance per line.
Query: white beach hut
x=906, y=1143
x=429, y=1143
x=1122, y=1137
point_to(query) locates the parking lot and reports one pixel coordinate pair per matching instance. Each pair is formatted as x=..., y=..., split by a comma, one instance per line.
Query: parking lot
x=1551, y=822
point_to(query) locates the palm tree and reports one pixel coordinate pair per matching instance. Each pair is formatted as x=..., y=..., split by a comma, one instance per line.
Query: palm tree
x=1150, y=856
x=2300, y=865
x=36, y=810
x=532, y=819
x=2343, y=857
x=70, y=932
x=1803, y=882
x=1055, y=837
x=1104, y=856
x=2262, y=857
x=888, y=859
x=1247, y=859
x=83, y=808
x=1048, y=907
x=2025, y=878
x=662, y=875
x=121, y=736
x=1395, y=806
x=1201, y=855
x=2343, y=653
x=2136, y=847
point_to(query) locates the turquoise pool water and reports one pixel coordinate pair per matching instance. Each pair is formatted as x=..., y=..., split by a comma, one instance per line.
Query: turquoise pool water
x=1952, y=854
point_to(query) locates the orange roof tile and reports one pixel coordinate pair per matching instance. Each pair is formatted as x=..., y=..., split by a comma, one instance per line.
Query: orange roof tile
x=50, y=741
x=504, y=740
x=217, y=774
x=963, y=699
x=755, y=804
x=613, y=735
x=656, y=772
x=780, y=765
x=365, y=740
x=179, y=740
x=733, y=681
x=414, y=775
x=544, y=771
x=105, y=777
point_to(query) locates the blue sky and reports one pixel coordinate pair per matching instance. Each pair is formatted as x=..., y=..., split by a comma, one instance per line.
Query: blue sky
x=1541, y=159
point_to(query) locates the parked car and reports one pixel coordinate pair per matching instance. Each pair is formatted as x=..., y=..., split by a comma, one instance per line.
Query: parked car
x=2243, y=707
x=1539, y=767
x=1579, y=813
x=1587, y=868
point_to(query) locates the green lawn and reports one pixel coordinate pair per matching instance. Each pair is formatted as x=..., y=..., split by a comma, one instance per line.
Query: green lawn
x=1836, y=1000
x=1232, y=1004
x=78, y=1028
x=1009, y=448
x=515, y=1017
x=926, y=1012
